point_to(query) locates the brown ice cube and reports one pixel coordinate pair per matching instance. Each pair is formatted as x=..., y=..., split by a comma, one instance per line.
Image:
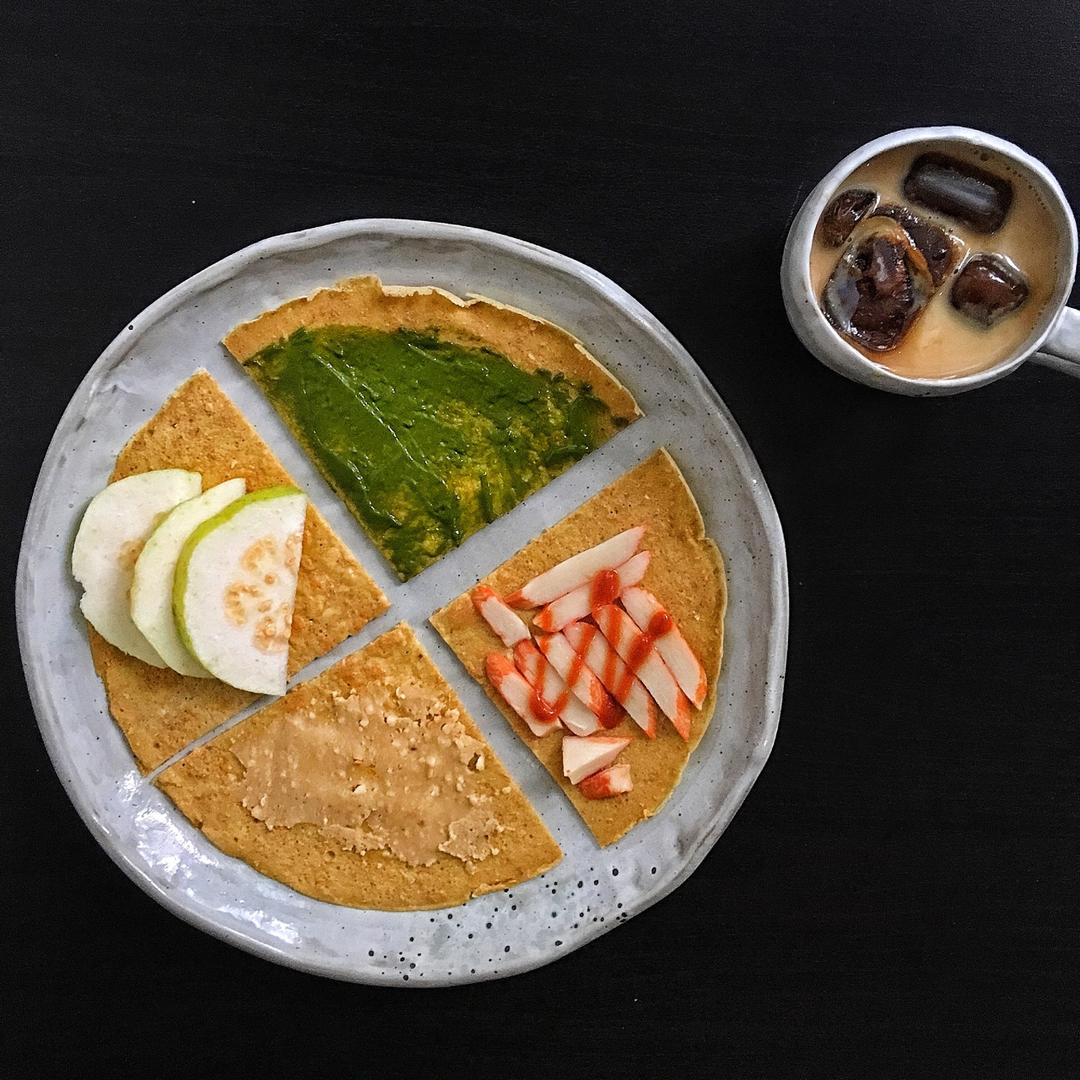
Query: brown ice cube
x=941, y=250
x=844, y=213
x=988, y=288
x=880, y=286
x=950, y=186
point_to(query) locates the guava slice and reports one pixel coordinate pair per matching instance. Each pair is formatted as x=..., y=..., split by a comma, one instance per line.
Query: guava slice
x=111, y=535
x=155, y=569
x=235, y=585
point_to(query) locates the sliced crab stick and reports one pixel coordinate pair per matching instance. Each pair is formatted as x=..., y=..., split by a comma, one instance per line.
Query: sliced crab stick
x=639, y=652
x=505, y=622
x=614, y=780
x=604, y=588
x=605, y=662
x=577, y=570
x=580, y=679
x=549, y=684
x=651, y=618
x=517, y=693
x=583, y=757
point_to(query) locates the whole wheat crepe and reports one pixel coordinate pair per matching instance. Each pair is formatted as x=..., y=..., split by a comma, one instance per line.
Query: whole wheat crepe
x=206, y=786
x=200, y=429
x=528, y=342
x=686, y=574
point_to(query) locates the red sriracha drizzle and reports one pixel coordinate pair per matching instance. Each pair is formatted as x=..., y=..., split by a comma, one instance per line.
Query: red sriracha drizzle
x=604, y=588
x=611, y=714
x=611, y=664
x=545, y=713
x=642, y=648
x=548, y=711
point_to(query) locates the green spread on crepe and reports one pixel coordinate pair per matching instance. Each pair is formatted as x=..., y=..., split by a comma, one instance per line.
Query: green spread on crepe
x=426, y=440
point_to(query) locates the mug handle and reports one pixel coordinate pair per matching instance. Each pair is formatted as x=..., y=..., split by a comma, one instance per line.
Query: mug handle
x=1061, y=350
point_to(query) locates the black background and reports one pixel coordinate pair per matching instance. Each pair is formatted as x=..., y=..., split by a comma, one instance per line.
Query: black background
x=898, y=895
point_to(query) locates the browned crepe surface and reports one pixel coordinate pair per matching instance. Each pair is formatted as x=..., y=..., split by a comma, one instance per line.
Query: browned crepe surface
x=528, y=341
x=686, y=574
x=204, y=786
x=199, y=428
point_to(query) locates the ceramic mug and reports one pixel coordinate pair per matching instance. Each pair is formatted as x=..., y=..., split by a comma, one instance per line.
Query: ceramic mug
x=1053, y=341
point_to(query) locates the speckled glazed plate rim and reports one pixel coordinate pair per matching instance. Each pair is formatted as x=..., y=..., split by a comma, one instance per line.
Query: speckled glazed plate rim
x=589, y=279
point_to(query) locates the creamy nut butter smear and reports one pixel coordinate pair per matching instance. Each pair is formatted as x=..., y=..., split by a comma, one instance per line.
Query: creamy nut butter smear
x=393, y=769
x=368, y=785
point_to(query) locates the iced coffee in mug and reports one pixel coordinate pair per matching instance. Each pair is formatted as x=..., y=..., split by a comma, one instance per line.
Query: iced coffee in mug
x=941, y=260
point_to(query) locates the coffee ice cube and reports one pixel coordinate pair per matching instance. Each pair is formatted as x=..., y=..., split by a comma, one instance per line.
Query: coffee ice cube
x=880, y=286
x=963, y=191
x=941, y=250
x=844, y=213
x=988, y=288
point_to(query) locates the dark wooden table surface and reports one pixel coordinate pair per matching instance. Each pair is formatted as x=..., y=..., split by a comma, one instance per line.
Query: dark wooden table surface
x=898, y=896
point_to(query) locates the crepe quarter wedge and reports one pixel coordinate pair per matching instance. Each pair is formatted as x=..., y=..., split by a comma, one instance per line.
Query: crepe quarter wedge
x=685, y=573
x=199, y=429
x=429, y=415
x=368, y=786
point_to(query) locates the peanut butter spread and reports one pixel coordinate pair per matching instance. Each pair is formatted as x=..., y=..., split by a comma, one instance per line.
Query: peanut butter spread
x=393, y=768
x=473, y=841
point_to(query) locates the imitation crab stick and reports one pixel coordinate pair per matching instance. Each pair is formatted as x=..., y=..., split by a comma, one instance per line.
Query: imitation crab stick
x=603, y=588
x=583, y=757
x=580, y=679
x=614, y=780
x=605, y=662
x=639, y=651
x=517, y=693
x=552, y=690
x=506, y=623
x=648, y=612
x=577, y=570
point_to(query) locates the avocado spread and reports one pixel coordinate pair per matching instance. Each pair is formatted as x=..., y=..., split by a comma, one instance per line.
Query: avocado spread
x=425, y=439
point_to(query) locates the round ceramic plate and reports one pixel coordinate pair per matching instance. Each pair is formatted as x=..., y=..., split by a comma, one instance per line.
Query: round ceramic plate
x=592, y=889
